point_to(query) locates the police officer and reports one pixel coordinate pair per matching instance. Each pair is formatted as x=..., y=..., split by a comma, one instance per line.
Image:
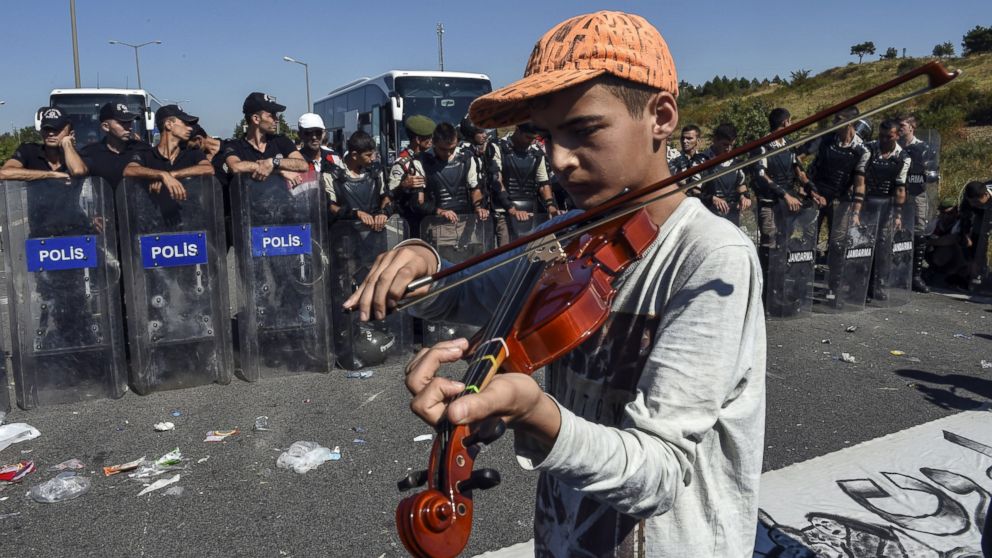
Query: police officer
x=108, y=158
x=404, y=180
x=773, y=178
x=312, y=133
x=689, y=140
x=356, y=190
x=209, y=145
x=838, y=174
x=923, y=170
x=55, y=157
x=885, y=183
x=523, y=186
x=262, y=151
x=475, y=142
x=451, y=183
x=726, y=196
x=169, y=161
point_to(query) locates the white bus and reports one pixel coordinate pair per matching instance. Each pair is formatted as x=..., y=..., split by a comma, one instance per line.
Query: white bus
x=82, y=106
x=378, y=105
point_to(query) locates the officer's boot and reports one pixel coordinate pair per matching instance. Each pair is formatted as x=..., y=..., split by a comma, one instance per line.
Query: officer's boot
x=919, y=249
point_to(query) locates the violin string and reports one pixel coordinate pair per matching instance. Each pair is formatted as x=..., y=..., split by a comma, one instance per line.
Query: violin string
x=551, y=239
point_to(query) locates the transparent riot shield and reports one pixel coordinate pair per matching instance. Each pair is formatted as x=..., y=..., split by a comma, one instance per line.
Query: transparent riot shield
x=789, y=281
x=981, y=265
x=354, y=248
x=280, y=244
x=748, y=222
x=455, y=242
x=175, y=285
x=4, y=331
x=932, y=138
x=850, y=253
x=509, y=228
x=67, y=339
x=892, y=276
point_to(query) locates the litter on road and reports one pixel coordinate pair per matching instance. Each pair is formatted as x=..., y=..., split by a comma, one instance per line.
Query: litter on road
x=16, y=432
x=305, y=456
x=161, y=483
x=219, y=435
x=65, y=486
x=847, y=357
x=360, y=374
x=164, y=426
x=424, y=438
x=114, y=469
x=261, y=424
x=70, y=464
x=17, y=471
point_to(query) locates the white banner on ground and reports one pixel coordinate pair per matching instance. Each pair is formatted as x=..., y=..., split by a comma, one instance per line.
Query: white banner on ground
x=922, y=492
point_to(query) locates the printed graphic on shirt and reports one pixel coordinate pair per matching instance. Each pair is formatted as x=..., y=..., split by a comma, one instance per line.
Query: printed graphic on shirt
x=595, y=381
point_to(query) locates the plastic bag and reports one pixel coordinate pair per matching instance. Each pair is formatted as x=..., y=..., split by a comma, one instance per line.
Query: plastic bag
x=65, y=486
x=304, y=456
x=16, y=432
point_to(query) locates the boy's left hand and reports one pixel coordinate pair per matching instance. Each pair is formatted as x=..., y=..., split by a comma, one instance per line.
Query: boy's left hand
x=516, y=398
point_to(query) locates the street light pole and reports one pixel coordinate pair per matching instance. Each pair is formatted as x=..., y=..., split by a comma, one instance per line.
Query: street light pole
x=440, y=46
x=306, y=70
x=137, y=64
x=75, y=43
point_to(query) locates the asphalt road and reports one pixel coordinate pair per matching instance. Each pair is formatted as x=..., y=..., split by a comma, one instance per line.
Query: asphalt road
x=238, y=503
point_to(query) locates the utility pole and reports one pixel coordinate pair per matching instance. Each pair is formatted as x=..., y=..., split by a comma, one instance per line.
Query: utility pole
x=75, y=42
x=440, y=46
x=137, y=63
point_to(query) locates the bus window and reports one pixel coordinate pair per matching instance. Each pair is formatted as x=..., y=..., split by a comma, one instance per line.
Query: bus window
x=442, y=99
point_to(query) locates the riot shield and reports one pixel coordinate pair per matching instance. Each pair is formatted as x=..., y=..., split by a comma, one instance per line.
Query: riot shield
x=354, y=248
x=175, y=285
x=850, y=253
x=932, y=138
x=4, y=332
x=455, y=242
x=892, y=275
x=789, y=281
x=748, y=222
x=981, y=265
x=509, y=228
x=67, y=340
x=280, y=245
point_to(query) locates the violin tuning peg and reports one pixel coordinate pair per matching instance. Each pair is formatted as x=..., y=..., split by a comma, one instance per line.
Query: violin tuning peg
x=486, y=432
x=413, y=480
x=480, y=480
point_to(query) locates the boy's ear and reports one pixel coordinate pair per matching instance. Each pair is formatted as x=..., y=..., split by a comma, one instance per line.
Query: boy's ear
x=664, y=114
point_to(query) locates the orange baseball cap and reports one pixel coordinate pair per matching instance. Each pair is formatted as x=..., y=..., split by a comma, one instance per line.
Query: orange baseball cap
x=575, y=51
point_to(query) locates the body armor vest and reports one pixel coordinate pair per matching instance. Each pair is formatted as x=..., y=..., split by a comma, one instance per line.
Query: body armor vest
x=447, y=182
x=781, y=171
x=520, y=178
x=922, y=169
x=835, y=167
x=724, y=187
x=881, y=174
x=362, y=193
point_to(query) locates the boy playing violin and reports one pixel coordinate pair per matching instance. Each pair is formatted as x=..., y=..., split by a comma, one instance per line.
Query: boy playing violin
x=649, y=435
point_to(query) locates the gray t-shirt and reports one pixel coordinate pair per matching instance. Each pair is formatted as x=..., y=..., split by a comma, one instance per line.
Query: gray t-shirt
x=660, y=447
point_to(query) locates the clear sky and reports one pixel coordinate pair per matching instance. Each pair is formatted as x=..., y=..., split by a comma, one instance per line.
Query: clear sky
x=215, y=52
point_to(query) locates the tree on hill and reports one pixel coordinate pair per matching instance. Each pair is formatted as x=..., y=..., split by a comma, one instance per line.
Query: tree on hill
x=890, y=54
x=799, y=76
x=861, y=50
x=977, y=40
x=9, y=142
x=944, y=50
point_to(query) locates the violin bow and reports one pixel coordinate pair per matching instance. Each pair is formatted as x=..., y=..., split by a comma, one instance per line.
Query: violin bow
x=548, y=239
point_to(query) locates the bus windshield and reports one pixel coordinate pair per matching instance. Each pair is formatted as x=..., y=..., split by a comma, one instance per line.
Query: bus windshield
x=442, y=99
x=84, y=113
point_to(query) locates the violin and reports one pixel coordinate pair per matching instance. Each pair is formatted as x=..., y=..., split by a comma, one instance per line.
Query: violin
x=559, y=294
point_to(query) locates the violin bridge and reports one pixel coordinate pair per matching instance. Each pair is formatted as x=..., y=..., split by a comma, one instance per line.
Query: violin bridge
x=545, y=250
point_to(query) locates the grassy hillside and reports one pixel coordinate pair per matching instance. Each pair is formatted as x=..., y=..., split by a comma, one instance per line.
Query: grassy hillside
x=959, y=110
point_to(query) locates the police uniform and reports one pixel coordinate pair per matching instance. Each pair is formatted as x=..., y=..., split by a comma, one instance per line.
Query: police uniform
x=355, y=192
x=885, y=173
x=774, y=177
x=449, y=186
x=105, y=162
x=726, y=187
x=924, y=169
x=405, y=199
x=831, y=175
x=524, y=173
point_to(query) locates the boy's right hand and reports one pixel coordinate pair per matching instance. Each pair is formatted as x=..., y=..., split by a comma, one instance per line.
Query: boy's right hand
x=386, y=282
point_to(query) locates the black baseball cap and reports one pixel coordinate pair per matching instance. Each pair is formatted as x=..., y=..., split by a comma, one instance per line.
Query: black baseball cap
x=116, y=111
x=261, y=101
x=52, y=117
x=173, y=110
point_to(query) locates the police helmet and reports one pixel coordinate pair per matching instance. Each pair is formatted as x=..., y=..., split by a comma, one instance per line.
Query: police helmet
x=468, y=129
x=862, y=127
x=367, y=346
